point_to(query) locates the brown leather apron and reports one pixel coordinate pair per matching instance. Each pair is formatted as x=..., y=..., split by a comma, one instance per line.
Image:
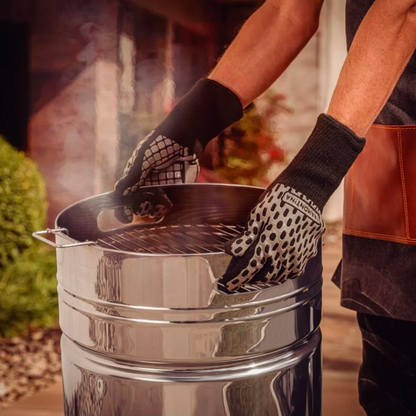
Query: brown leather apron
x=378, y=270
x=380, y=188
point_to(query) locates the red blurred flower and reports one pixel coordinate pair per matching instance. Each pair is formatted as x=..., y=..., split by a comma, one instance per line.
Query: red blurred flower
x=276, y=154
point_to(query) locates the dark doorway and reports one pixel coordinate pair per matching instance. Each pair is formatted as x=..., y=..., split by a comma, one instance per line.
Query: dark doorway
x=14, y=83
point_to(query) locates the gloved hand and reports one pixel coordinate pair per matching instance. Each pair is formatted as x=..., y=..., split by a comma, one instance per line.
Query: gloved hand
x=285, y=227
x=281, y=236
x=157, y=160
x=169, y=153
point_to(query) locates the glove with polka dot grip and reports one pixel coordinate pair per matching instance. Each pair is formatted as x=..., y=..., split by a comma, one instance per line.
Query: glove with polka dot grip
x=286, y=225
x=157, y=160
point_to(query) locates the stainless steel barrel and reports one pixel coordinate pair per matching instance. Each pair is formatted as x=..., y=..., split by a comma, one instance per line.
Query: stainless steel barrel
x=149, y=330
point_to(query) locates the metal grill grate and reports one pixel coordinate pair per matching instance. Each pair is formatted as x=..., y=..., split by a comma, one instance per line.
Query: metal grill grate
x=173, y=239
x=178, y=239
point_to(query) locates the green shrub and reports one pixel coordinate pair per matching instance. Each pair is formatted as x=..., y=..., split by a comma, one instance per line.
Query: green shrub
x=28, y=295
x=22, y=203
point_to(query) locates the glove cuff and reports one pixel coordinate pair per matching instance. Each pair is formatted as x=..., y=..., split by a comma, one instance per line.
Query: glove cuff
x=324, y=160
x=206, y=110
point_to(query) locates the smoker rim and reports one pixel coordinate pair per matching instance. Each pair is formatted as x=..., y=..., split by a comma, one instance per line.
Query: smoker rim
x=138, y=254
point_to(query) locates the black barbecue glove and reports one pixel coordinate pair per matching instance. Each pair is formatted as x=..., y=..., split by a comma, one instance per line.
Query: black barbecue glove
x=169, y=153
x=285, y=227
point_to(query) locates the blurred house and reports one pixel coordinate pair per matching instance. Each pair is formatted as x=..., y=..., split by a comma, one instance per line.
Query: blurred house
x=81, y=80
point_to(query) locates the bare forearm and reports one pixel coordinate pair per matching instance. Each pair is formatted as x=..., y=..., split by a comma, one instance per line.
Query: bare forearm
x=266, y=45
x=378, y=55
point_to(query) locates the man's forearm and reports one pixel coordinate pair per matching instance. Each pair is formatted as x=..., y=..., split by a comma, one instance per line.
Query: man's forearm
x=267, y=43
x=378, y=55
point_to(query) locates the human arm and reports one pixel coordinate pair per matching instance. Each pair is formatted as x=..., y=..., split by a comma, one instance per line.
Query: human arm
x=265, y=46
x=383, y=45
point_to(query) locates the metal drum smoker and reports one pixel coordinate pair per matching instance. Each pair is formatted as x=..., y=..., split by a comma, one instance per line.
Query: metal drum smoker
x=149, y=330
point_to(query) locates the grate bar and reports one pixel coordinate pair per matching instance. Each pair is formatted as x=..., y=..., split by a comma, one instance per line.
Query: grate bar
x=186, y=236
x=216, y=236
x=174, y=237
x=157, y=242
x=119, y=245
x=134, y=242
x=106, y=243
x=232, y=231
x=217, y=229
x=171, y=240
x=143, y=246
x=165, y=239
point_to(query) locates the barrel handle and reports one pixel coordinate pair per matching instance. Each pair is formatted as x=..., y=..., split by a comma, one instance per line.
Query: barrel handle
x=38, y=235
